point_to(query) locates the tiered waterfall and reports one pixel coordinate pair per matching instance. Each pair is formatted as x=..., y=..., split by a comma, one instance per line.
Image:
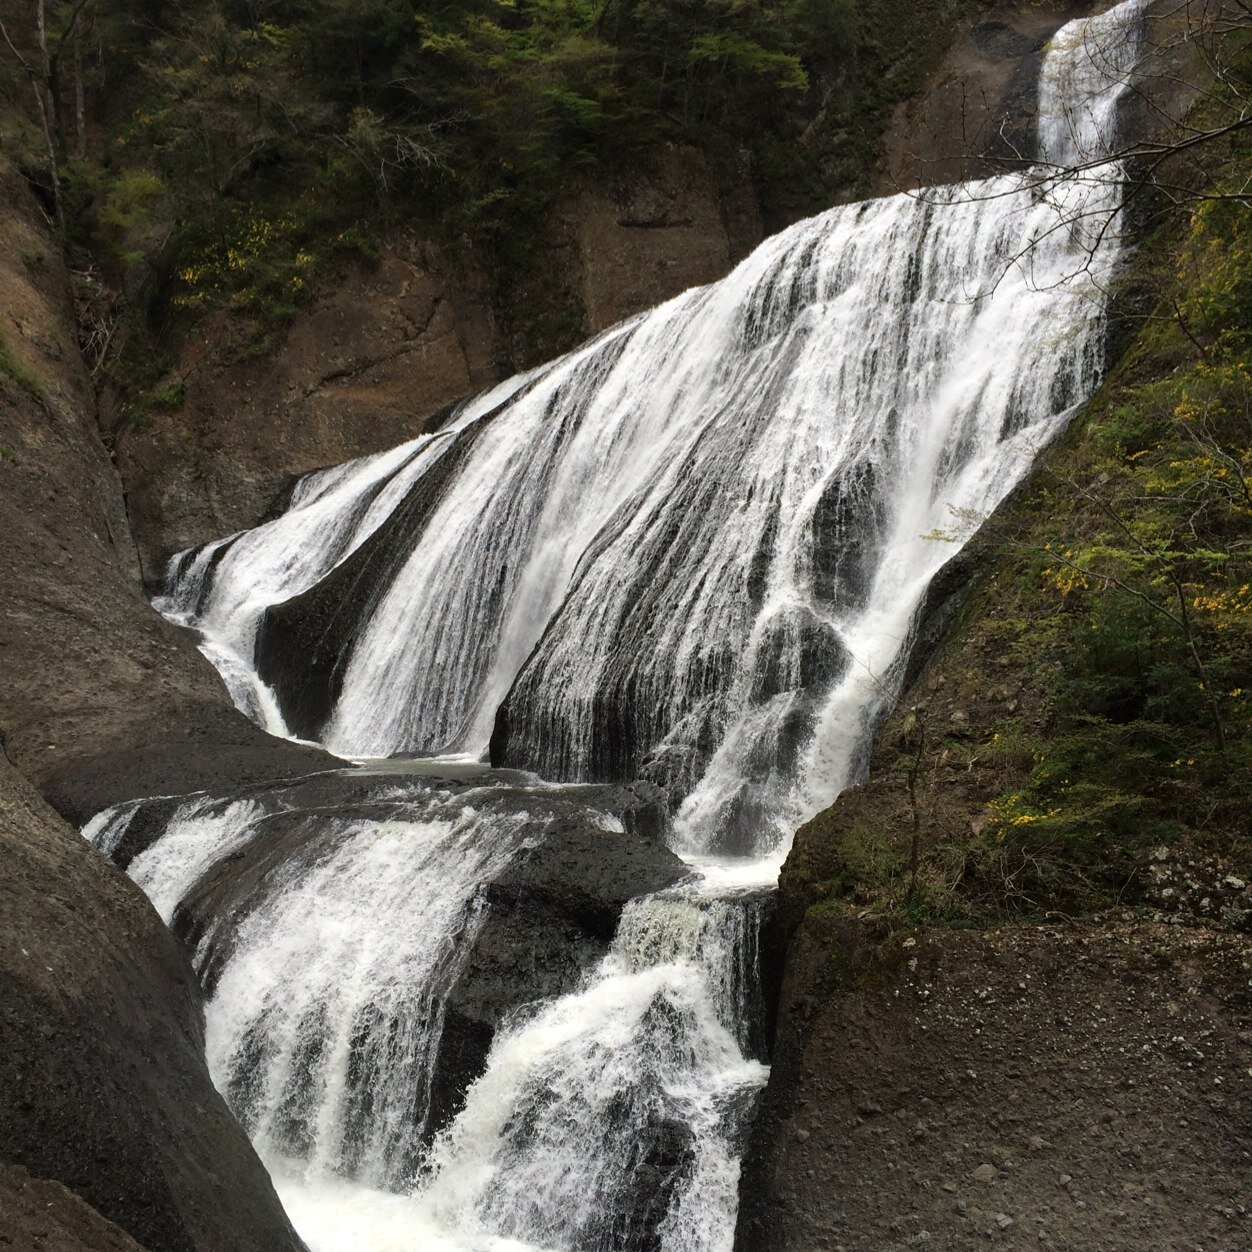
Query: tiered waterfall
x=689, y=557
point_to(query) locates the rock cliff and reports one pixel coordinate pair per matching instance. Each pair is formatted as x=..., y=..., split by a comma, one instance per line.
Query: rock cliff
x=395, y=340
x=1032, y=1086
x=103, y=1085
x=104, y=1089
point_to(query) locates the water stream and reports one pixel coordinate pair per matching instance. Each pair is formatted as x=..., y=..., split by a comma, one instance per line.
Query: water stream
x=692, y=553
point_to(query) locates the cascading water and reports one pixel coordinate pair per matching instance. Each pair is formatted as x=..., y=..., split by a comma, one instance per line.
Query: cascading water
x=691, y=553
x=676, y=581
x=634, y=1087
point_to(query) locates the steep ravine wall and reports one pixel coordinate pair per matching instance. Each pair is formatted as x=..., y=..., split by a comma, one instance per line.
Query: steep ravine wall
x=1076, y=1080
x=1028, y=1086
x=388, y=345
x=947, y=1072
x=101, y=700
x=90, y=671
x=103, y=1084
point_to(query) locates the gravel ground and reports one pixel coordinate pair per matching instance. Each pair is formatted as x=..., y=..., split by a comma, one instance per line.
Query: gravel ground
x=1034, y=1087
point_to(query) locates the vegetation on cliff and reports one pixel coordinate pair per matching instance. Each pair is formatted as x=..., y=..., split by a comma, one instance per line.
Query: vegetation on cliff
x=231, y=154
x=1088, y=721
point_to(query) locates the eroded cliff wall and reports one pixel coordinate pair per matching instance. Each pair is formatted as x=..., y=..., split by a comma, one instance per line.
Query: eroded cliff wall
x=1016, y=1007
x=387, y=344
x=104, y=1087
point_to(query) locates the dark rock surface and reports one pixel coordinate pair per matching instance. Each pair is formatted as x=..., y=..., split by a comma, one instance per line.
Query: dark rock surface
x=41, y=1216
x=101, y=698
x=1088, y=1083
x=975, y=116
x=551, y=917
x=194, y=758
x=103, y=1085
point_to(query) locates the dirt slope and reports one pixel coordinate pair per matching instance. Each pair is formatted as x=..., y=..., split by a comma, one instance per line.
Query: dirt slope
x=1036, y=1087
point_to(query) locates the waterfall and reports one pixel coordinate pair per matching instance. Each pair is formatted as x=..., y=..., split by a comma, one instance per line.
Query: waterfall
x=641, y=1071
x=331, y=1005
x=678, y=581
x=329, y=929
x=689, y=557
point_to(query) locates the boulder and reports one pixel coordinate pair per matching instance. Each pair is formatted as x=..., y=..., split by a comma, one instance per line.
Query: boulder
x=103, y=1085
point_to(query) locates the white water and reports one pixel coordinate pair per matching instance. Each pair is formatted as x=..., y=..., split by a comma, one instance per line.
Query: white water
x=328, y=978
x=331, y=1008
x=709, y=580
x=694, y=551
x=331, y=513
x=644, y=1051
x=328, y=962
x=634, y=1085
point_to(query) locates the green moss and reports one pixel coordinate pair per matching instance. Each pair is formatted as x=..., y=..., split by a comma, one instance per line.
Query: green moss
x=169, y=398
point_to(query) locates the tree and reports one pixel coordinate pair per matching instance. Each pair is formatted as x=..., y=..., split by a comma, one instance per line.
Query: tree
x=42, y=67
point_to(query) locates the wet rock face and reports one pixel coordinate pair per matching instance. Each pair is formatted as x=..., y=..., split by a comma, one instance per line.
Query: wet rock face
x=551, y=916
x=975, y=114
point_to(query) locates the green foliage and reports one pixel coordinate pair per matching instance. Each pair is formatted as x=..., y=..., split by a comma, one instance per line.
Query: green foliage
x=1144, y=590
x=1121, y=612
x=256, y=264
x=142, y=379
x=465, y=120
x=355, y=242
x=742, y=56
x=129, y=209
x=169, y=398
x=466, y=117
